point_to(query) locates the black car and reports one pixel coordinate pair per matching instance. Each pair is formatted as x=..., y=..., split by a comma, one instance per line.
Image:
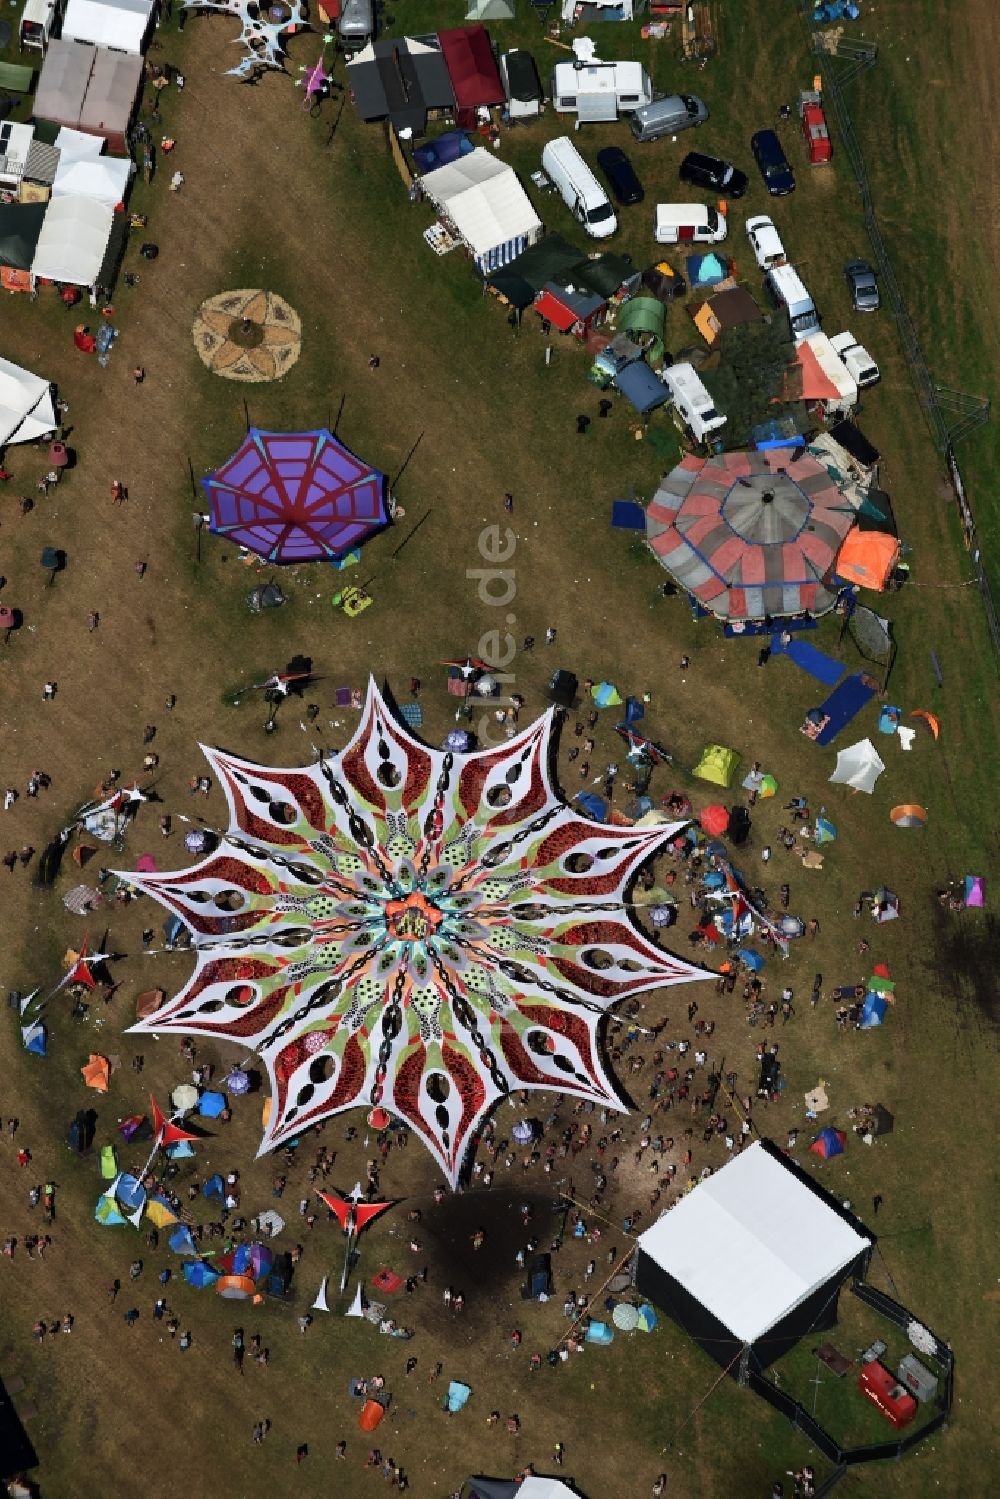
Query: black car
x=714, y=174
x=769, y=156
x=621, y=175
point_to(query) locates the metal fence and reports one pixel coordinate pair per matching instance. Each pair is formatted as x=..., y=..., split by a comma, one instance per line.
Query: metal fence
x=936, y=401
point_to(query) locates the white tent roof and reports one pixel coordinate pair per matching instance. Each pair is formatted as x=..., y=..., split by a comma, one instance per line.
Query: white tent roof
x=858, y=766
x=74, y=238
x=534, y=1487
x=103, y=178
x=121, y=25
x=26, y=410
x=74, y=144
x=751, y=1243
x=484, y=200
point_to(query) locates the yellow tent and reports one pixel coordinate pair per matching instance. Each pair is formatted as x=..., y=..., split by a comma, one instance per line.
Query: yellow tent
x=160, y=1213
x=717, y=764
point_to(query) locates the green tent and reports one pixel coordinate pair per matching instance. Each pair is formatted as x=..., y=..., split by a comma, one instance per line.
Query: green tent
x=717, y=764
x=109, y=1162
x=644, y=319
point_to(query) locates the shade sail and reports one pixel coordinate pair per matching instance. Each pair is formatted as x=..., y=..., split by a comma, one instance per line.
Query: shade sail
x=296, y=497
x=751, y=535
x=26, y=410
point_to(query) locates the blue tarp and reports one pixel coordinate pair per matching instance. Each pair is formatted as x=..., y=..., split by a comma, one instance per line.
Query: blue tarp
x=811, y=659
x=458, y=1395
x=626, y=515
x=211, y=1105
x=595, y=806
x=641, y=387
x=842, y=705
x=872, y=1011
x=446, y=148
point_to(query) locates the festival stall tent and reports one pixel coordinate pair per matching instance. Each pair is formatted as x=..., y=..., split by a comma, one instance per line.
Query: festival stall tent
x=62, y=82
x=357, y=905
x=118, y=24
x=105, y=179
x=472, y=69
x=20, y=227
x=751, y=535
x=484, y=202
x=110, y=100
x=26, y=410
x=401, y=80
x=752, y=1259
x=73, y=241
x=296, y=497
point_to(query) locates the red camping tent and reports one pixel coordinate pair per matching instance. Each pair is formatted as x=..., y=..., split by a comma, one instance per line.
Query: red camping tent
x=472, y=69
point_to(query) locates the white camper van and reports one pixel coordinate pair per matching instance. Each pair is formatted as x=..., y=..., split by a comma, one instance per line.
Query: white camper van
x=578, y=187
x=37, y=21
x=595, y=90
x=692, y=402
x=785, y=288
x=688, y=224
x=858, y=360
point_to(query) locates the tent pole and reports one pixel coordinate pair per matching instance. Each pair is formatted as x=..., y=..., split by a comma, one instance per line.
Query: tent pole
x=347, y=1259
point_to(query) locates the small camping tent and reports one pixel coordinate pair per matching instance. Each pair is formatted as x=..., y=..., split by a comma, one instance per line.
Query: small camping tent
x=868, y=558
x=872, y=1011
x=717, y=764
x=858, y=766
x=828, y=1143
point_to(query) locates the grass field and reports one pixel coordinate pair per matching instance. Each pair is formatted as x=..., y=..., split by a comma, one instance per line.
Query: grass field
x=467, y=410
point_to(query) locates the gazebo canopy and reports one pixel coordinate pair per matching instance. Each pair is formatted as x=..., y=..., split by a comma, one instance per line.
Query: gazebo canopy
x=751, y=534
x=296, y=497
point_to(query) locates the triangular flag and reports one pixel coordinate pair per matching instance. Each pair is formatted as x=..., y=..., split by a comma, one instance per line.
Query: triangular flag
x=357, y=1306
x=136, y=1218
x=319, y=1305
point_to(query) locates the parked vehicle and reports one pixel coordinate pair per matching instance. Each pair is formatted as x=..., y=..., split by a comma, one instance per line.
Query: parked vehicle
x=863, y=286
x=667, y=116
x=356, y=25
x=765, y=242
x=819, y=147
x=38, y=20
x=713, y=173
x=778, y=176
x=858, y=360
x=521, y=84
x=620, y=175
x=689, y=223
x=692, y=401
x=784, y=288
x=595, y=90
x=578, y=187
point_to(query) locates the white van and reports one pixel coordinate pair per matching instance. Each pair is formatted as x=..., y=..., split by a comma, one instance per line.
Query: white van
x=692, y=402
x=578, y=187
x=858, y=360
x=765, y=241
x=37, y=22
x=597, y=91
x=689, y=223
x=785, y=288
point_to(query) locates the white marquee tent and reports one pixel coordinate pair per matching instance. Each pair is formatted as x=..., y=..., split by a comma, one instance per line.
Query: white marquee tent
x=73, y=241
x=746, y=1249
x=858, y=766
x=26, y=409
x=121, y=25
x=483, y=200
x=102, y=178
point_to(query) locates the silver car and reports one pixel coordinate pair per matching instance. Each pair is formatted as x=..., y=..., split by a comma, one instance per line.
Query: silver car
x=667, y=116
x=863, y=286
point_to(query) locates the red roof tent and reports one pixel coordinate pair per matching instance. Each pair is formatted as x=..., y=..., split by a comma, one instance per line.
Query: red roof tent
x=468, y=56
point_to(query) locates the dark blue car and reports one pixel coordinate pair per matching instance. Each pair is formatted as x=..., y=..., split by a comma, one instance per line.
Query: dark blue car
x=778, y=176
x=620, y=174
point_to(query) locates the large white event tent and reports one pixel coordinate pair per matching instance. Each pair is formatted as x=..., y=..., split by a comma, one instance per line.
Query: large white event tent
x=26, y=409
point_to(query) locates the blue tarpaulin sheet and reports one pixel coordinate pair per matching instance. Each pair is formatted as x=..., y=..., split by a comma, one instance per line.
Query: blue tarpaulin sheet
x=626, y=515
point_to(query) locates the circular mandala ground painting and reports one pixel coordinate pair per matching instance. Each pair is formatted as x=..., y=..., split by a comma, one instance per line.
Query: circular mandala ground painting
x=251, y=335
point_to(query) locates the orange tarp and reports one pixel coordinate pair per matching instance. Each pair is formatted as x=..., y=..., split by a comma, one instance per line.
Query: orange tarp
x=868, y=558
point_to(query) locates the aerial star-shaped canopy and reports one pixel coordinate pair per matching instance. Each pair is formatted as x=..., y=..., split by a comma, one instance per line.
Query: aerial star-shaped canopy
x=411, y=927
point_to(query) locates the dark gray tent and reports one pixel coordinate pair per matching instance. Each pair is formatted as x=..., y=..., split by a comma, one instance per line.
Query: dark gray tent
x=20, y=226
x=400, y=79
x=493, y=1488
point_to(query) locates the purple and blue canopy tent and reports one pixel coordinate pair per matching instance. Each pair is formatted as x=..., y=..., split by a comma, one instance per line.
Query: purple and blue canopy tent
x=296, y=497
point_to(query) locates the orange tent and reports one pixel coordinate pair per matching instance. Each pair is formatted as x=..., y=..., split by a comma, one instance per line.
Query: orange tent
x=371, y=1415
x=868, y=558
x=97, y=1073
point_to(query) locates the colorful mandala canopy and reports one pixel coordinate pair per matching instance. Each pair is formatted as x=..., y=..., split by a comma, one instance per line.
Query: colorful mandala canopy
x=414, y=928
